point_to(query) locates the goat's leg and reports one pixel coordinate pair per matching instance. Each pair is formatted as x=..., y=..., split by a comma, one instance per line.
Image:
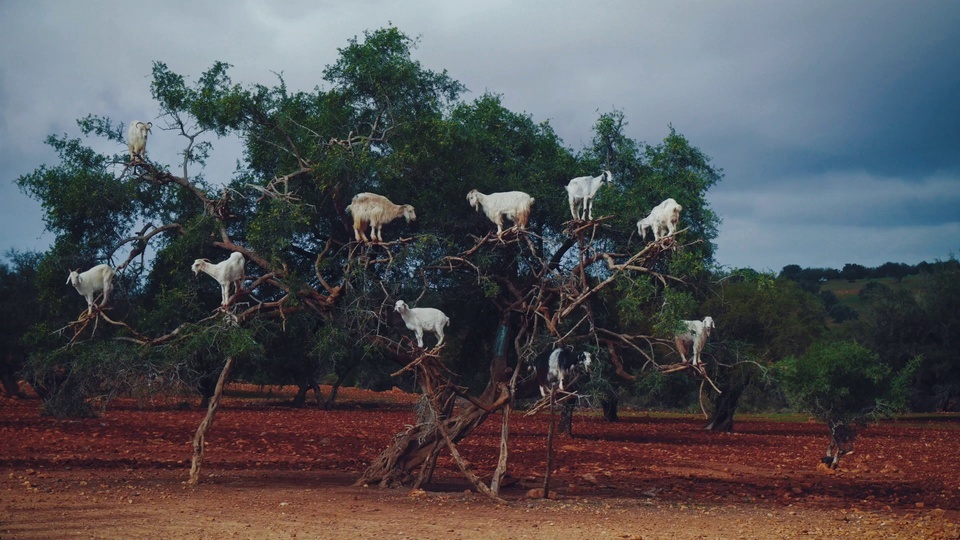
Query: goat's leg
x=681, y=348
x=419, y=334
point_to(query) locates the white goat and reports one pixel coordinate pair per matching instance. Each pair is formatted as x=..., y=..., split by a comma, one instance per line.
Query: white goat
x=514, y=205
x=94, y=281
x=230, y=271
x=137, y=139
x=662, y=219
x=695, y=336
x=581, y=191
x=420, y=319
x=376, y=211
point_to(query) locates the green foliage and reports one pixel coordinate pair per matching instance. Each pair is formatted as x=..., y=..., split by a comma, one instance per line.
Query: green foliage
x=386, y=124
x=843, y=382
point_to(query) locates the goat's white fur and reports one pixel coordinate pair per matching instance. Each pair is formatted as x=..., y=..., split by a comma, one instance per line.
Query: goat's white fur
x=94, y=281
x=662, y=220
x=695, y=336
x=581, y=191
x=376, y=211
x=137, y=139
x=420, y=319
x=514, y=205
x=228, y=272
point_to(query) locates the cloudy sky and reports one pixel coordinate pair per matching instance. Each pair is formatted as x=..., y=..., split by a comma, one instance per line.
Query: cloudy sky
x=836, y=123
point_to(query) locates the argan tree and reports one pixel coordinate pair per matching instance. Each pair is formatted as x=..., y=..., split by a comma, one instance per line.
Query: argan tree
x=387, y=125
x=845, y=386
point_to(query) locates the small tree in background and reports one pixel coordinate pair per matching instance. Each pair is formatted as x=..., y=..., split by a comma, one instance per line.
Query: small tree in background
x=844, y=385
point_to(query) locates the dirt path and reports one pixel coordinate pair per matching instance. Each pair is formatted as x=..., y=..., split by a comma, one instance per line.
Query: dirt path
x=273, y=472
x=288, y=504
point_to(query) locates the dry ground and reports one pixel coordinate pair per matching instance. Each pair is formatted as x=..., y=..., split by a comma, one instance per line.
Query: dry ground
x=275, y=472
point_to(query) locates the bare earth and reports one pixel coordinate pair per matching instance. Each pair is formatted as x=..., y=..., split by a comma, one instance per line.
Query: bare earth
x=275, y=472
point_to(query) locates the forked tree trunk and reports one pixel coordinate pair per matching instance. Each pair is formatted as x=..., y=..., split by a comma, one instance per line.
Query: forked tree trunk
x=417, y=448
x=411, y=449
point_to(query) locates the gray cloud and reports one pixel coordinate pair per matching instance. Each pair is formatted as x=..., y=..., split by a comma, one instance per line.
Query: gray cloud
x=835, y=122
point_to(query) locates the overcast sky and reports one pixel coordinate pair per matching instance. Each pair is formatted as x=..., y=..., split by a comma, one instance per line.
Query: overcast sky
x=836, y=123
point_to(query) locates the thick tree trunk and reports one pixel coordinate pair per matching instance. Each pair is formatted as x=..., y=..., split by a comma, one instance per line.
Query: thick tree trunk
x=726, y=406
x=610, y=405
x=415, y=448
x=300, y=400
x=396, y=465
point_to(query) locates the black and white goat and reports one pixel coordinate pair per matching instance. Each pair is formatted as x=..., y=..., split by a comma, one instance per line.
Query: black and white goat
x=554, y=367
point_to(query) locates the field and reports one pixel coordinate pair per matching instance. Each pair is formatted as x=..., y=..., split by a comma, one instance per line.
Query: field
x=275, y=472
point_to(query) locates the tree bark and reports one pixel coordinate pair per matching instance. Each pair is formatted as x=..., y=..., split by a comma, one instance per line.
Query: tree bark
x=199, y=438
x=726, y=406
x=610, y=405
x=413, y=449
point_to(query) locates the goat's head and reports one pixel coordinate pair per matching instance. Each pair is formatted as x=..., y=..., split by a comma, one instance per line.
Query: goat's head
x=408, y=213
x=586, y=359
x=74, y=277
x=198, y=265
x=400, y=306
x=474, y=198
x=607, y=177
x=708, y=324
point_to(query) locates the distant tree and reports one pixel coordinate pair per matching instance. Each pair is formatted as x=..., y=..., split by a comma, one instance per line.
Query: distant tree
x=852, y=272
x=842, y=313
x=760, y=320
x=920, y=319
x=897, y=271
x=791, y=272
x=19, y=310
x=846, y=386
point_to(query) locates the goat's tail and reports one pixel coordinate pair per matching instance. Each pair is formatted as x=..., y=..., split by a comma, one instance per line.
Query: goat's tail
x=349, y=209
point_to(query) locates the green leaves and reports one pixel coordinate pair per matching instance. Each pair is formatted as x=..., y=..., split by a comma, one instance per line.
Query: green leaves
x=843, y=381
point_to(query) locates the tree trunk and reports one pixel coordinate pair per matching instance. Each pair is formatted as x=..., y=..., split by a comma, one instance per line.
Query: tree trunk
x=726, y=406
x=199, y=440
x=550, y=431
x=610, y=405
x=301, y=398
x=397, y=465
x=8, y=374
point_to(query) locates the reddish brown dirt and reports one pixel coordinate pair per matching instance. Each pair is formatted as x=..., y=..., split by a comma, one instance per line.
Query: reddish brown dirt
x=275, y=472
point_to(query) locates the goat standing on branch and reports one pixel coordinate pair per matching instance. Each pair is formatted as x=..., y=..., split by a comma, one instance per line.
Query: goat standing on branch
x=420, y=319
x=227, y=272
x=137, y=140
x=514, y=205
x=92, y=282
x=695, y=337
x=662, y=219
x=376, y=211
x=554, y=367
x=581, y=191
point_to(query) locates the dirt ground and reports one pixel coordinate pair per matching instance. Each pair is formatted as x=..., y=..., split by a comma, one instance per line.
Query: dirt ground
x=275, y=472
